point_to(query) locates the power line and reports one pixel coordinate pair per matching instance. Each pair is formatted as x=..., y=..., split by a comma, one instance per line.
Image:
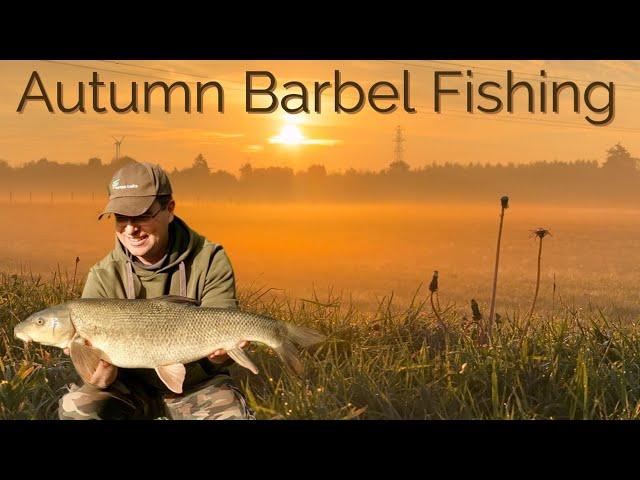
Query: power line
x=154, y=68
x=623, y=86
x=475, y=67
x=450, y=112
x=531, y=121
x=139, y=75
x=132, y=74
x=579, y=80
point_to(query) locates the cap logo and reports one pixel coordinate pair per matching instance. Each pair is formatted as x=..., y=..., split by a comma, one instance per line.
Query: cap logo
x=115, y=185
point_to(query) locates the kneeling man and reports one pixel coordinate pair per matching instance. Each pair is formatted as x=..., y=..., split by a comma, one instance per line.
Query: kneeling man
x=157, y=254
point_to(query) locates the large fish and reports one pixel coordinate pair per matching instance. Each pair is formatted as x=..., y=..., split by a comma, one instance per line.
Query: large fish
x=162, y=333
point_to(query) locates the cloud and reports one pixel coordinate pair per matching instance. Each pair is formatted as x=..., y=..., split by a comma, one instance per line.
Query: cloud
x=320, y=141
x=326, y=142
x=220, y=134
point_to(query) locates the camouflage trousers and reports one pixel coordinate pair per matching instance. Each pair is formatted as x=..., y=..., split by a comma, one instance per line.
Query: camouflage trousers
x=214, y=399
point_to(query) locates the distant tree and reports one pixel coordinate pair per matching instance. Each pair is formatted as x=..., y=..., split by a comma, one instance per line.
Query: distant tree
x=245, y=171
x=200, y=163
x=619, y=159
x=121, y=162
x=94, y=162
x=317, y=171
x=399, y=166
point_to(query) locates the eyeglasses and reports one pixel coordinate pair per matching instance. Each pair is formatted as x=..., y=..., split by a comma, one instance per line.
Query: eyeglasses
x=140, y=220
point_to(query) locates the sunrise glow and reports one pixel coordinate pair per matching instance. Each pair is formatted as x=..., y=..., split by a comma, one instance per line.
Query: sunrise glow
x=289, y=135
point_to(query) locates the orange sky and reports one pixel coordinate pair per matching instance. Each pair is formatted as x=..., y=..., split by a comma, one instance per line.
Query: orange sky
x=362, y=140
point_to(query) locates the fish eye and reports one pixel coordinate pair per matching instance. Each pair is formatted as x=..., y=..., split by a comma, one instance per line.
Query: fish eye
x=40, y=321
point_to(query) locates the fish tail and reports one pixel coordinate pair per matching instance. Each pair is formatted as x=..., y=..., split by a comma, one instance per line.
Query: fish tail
x=288, y=353
x=304, y=336
x=296, y=334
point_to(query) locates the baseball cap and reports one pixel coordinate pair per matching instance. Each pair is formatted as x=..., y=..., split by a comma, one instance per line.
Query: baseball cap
x=134, y=188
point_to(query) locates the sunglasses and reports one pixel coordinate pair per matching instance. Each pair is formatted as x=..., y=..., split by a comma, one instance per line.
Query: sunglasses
x=139, y=220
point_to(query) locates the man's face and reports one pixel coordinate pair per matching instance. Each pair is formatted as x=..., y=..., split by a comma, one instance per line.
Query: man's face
x=146, y=236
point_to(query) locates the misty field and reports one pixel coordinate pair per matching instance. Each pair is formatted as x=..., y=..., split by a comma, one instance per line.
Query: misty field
x=360, y=274
x=366, y=252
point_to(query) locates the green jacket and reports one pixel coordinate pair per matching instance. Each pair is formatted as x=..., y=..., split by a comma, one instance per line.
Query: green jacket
x=195, y=268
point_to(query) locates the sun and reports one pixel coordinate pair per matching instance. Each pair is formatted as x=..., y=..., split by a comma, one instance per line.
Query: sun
x=289, y=135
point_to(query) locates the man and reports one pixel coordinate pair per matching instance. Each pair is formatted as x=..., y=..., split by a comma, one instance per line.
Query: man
x=157, y=254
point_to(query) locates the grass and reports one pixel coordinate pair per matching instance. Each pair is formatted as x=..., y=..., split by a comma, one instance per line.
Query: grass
x=398, y=363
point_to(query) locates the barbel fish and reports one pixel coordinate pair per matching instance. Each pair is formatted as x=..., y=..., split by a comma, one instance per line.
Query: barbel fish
x=162, y=333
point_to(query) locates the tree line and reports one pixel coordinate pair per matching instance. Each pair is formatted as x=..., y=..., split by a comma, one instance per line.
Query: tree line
x=614, y=182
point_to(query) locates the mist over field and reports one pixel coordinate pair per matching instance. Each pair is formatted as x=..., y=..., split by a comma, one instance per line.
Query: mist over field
x=367, y=251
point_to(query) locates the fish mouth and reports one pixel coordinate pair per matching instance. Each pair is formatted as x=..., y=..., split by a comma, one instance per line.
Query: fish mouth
x=22, y=336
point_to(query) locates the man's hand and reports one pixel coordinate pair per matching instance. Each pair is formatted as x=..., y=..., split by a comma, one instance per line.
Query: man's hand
x=220, y=356
x=104, y=375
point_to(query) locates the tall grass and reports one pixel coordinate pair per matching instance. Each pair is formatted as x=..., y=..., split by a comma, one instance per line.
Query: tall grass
x=32, y=377
x=397, y=363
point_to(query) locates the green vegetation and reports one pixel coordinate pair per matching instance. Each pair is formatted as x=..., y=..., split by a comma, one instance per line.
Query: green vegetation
x=394, y=364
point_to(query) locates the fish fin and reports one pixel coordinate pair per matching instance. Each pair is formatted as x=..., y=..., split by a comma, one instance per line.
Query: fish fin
x=178, y=299
x=242, y=359
x=85, y=358
x=304, y=336
x=288, y=353
x=172, y=376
